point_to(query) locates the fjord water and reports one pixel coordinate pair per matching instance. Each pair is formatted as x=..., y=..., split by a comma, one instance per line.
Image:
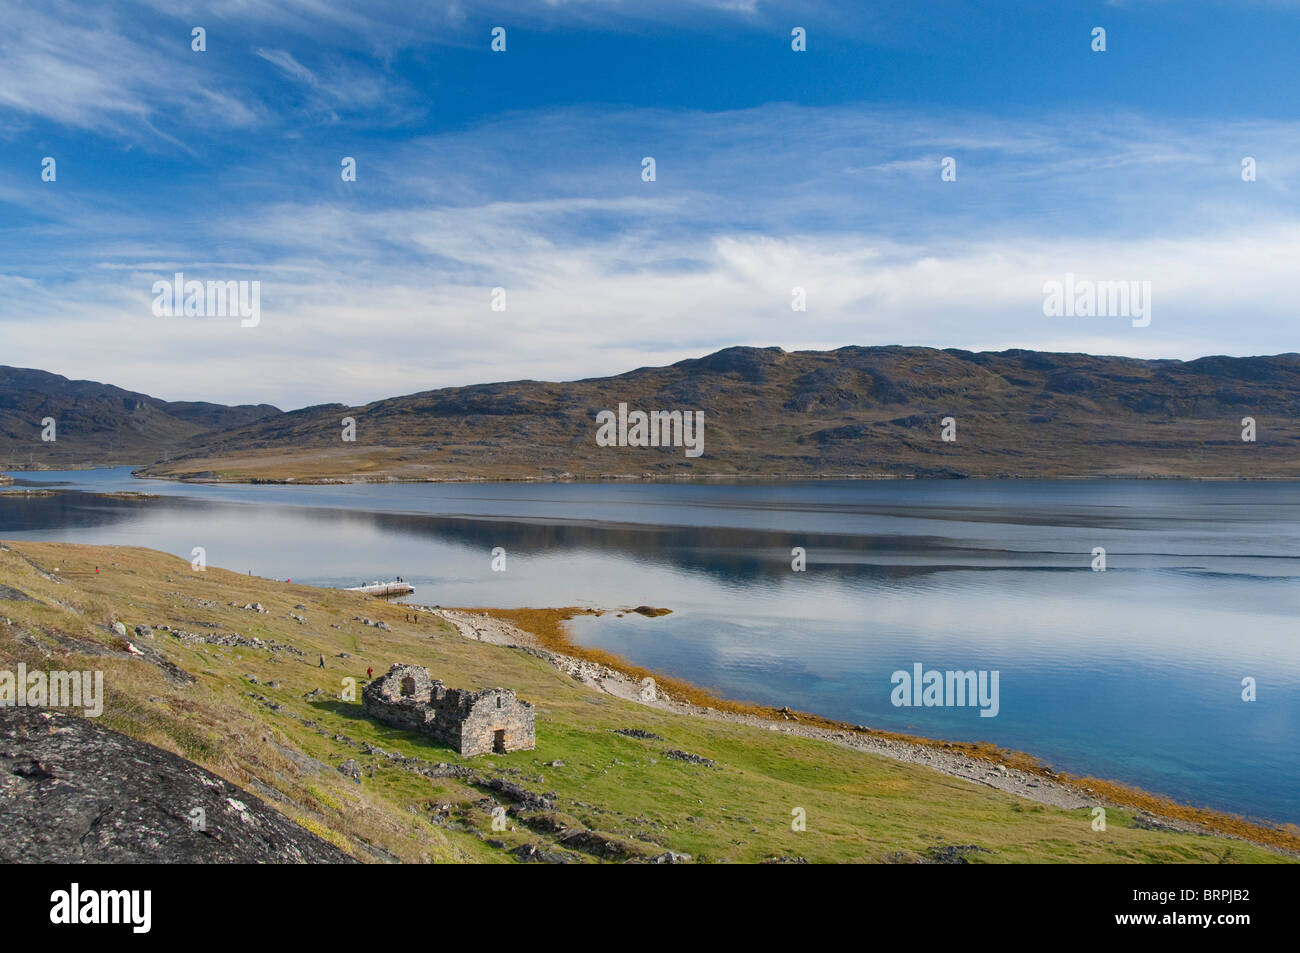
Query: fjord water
x=1133, y=674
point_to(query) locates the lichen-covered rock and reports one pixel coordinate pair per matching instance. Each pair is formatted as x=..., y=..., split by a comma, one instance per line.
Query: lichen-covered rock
x=689, y=758
x=11, y=594
x=670, y=857
x=72, y=791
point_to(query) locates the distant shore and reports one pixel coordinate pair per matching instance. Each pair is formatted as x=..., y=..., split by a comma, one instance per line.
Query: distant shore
x=761, y=413
x=647, y=478
x=308, y=473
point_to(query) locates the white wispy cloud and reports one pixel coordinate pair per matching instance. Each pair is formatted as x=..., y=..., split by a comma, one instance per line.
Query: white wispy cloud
x=383, y=286
x=289, y=65
x=85, y=67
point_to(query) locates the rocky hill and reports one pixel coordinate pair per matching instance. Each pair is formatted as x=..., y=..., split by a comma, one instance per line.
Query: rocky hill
x=855, y=411
x=99, y=424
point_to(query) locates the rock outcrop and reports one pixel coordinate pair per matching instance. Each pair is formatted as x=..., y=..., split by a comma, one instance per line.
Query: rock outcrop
x=73, y=791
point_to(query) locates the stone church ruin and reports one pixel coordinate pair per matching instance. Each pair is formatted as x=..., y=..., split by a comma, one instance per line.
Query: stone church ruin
x=491, y=720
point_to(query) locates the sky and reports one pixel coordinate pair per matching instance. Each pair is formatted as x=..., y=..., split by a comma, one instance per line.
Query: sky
x=522, y=169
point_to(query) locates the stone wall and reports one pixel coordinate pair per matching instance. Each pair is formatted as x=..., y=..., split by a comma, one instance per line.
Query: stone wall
x=495, y=710
x=409, y=698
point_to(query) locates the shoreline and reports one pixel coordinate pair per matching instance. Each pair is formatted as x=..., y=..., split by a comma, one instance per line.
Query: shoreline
x=1012, y=772
x=596, y=479
x=687, y=478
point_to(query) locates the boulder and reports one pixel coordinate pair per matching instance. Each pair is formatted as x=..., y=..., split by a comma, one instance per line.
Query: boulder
x=76, y=792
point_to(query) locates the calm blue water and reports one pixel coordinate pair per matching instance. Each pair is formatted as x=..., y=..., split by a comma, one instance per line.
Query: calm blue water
x=1133, y=674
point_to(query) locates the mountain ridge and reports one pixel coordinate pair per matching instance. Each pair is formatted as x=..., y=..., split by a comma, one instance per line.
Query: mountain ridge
x=99, y=424
x=855, y=411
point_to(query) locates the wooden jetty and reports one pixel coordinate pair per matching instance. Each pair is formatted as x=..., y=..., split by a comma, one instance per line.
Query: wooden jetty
x=397, y=588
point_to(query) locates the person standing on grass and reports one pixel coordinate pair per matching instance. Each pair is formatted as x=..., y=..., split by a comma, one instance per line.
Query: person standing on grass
x=370, y=673
x=322, y=661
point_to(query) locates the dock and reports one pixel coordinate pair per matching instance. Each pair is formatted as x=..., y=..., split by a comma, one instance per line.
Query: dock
x=397, y=588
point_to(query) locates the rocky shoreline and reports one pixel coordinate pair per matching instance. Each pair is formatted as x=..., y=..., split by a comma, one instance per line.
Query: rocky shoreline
x=1041, y=786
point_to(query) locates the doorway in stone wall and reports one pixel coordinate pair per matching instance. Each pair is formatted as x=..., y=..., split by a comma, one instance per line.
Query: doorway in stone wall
x=499, y=741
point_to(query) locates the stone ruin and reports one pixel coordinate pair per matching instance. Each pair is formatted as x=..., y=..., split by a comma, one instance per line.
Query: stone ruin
x=491, y=720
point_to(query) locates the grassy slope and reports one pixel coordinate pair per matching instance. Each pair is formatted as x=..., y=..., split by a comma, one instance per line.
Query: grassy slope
x=860, y=807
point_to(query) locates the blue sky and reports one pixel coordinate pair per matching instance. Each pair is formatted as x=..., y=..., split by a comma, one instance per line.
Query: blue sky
x=522, y=170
